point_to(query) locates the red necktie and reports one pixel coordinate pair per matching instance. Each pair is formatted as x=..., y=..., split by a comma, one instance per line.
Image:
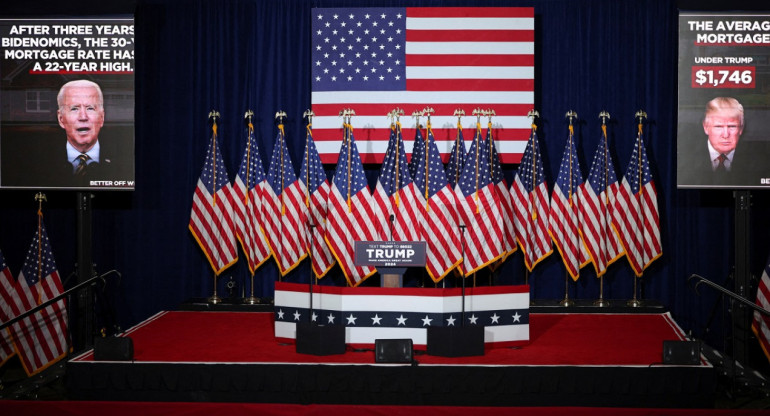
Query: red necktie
x=721, y=164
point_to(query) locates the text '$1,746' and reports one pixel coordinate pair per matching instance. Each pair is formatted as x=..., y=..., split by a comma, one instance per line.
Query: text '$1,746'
x=725, y=78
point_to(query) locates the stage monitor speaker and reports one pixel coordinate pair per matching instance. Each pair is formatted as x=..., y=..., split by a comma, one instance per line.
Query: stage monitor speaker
x=113, y=349
x=456, y=341
x=317, y=339
x=393, y=350
x=681, y=352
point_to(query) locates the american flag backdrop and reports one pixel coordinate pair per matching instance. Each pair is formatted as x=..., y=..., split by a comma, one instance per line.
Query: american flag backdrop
x=349, y=211
x=7, y=291
x=212, y=221
x=394, y=195
x=636, y=211
x=284, y=203
x=315, y=188
x=248, y=188
x=439, y=223
x=531, y=205
x=563, y=221
x=41, y=339
x=597, y=196
x=479, y=207
x=375, y=59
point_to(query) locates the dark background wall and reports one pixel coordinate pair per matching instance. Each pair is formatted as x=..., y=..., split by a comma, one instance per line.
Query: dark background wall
x=231, y=55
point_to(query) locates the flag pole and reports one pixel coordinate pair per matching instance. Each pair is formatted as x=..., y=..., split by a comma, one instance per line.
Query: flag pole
x=533, y=114
x=571, y=115
x=213, y=114
x=604, y=115
x=251, y=300
x=459, y=113
x=310, y=225
x=280, y=115
x=641, y=115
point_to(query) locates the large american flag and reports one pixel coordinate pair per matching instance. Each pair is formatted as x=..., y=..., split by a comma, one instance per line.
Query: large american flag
x=248, y=188
x=479, y=207
x=761, y=323
x=375, y=59
x=439, y=224
x=503, y=192
x=315, y=188
x=283, y=207
x=636, y=212
x=563, y=222
x=530, y=206
x=41, y=339
x=597, y=201
x=394, y=195
x=350, y=207
x=7, y=292
x=456, y=157
x=212, y=221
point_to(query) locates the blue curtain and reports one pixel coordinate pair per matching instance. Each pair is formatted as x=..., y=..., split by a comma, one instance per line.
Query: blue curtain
x=194, y=56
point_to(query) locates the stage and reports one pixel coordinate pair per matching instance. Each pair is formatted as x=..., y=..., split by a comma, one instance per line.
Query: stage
x=574, y=359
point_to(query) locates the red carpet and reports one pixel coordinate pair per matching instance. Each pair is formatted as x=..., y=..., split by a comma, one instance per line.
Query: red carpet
x=555, y=339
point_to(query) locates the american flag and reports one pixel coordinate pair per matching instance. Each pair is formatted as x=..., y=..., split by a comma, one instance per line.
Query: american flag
x=479, y=207
x=563, y=222
x=761, y=323
x=439, y=224
x=395, y=195
x=635, y=217
x=248, y=188
x=503, y=192
x=375, y=59
x=315, y=188
x=212, y=221
x=456, y=158
x=418, y=151
x=7, y=291
x=283, y=205
x=41, y=339
x=530, y=206
x=597, y=199
x=350, y=204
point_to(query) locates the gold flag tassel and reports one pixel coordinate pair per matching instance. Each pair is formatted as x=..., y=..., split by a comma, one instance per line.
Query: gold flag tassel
x=571, y=115
x=534, y=114
x=428, y=132
x=214, y=114
x=248, y=116
x=39, y=197
x=478, y=113
x=281, y=133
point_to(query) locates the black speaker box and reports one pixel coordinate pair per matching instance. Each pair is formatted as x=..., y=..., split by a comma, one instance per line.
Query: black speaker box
x=460, y=341
x=320, y=339
x=393, y=350
x=681, y=352
x=113, y=349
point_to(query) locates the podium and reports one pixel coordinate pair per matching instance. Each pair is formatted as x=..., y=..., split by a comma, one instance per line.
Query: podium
x=391, y=258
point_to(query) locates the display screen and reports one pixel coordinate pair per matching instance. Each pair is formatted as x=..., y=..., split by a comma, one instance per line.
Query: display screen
x=724, y=101
x=67, y=103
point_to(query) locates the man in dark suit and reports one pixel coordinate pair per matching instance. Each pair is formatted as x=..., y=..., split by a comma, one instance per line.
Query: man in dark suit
x=81, y=115
x=722, y=162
